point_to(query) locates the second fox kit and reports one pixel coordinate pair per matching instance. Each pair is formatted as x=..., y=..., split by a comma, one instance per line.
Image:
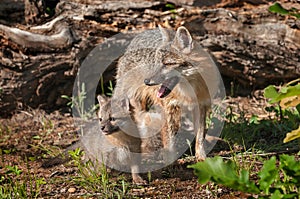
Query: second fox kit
x=110, y=126
x=118, y=150
x=113, y=121
x=157, y=69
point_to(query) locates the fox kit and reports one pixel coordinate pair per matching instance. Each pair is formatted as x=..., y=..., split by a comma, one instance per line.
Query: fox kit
x=110, y=125
x=121, y=131
x=117, y=148
x=156, y=70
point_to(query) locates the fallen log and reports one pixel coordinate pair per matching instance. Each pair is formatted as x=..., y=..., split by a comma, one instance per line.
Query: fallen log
x=38, y=64
x=62, y=39
x=253, y=48
x=12, y=11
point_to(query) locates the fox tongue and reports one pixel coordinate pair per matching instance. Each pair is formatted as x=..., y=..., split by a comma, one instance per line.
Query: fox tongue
x=167, y=86
x=163, y=91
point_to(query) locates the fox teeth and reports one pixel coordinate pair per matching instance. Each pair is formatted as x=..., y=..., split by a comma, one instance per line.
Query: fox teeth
x=167, y=86
x=163, y=91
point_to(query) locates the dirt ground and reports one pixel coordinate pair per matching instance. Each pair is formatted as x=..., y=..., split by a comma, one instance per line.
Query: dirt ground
x=28, y=136
x=32, y=136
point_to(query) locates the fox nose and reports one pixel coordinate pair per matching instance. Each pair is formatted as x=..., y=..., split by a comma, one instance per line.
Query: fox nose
x=147, y=81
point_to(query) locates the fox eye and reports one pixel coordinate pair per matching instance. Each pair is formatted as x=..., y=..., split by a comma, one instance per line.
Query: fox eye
x=100, y=119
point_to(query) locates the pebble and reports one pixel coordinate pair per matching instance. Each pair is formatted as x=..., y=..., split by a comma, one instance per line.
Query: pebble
x=71, y=190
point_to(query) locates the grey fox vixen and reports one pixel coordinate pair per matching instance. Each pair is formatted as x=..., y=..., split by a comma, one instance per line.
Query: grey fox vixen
x=156, y=70
x=177, y=75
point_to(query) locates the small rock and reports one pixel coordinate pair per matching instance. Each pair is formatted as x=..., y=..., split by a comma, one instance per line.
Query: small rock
x=71, y=190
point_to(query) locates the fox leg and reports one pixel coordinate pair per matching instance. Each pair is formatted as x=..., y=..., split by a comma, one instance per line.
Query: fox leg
x=169, y=132
x=168, y=144
x=200, y=133
x=135, y=169
x=135, y=161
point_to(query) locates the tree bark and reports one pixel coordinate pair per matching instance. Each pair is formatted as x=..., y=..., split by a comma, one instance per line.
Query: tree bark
x=38, y=64
x=253, y=48
x=12, y=11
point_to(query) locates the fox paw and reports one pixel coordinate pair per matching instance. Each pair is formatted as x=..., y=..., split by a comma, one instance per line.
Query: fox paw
x=200, y=157
x=138, y=180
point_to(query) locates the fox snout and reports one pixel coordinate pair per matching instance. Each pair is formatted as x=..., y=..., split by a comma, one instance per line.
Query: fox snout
x=108, y=128
x=155, y=80
x=167, y=86
x=148, y=82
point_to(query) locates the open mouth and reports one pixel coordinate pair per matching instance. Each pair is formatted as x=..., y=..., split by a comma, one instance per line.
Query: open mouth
x=167, y=86
x=106, y=132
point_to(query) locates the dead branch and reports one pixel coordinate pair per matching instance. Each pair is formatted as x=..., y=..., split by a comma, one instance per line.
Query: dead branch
x=37, y=42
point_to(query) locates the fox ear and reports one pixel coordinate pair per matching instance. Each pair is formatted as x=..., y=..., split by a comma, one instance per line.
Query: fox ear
x=101, y=99
x=164, y=33
x=125, y=104
x=183, y=40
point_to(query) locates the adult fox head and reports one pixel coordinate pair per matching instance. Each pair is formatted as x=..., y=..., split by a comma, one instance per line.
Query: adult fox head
x=173, y=64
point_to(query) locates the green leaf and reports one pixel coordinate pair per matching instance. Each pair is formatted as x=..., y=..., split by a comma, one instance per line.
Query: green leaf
x=65, y=97
x=291, y=168
x=298, y=108
x=295, y=134
x=169, y=5
x=284, y=90
x=295, y=15
x=277, y=8
x=244, y=176
x=288, y=91
x=36, y=137
x=268, y=175
x=276, y=195
x=271, y=92
x=225, y=173
x=214, y=168
x=13, y=169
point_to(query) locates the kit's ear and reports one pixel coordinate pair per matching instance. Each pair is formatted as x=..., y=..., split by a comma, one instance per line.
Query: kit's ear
x=125, y=104
x=101, y=99
x=164, y=33
x=183, y=40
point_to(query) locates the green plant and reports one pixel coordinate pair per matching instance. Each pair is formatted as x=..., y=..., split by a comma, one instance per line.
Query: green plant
x=172, y=8
x=47, y=124
x=110, y=87
x=77, y=102
x=13, y=169
x=277, y=8
x=15, y=183
x=282, y=181
x=50, y=11
x=243, y=132
x=95, y=178
x=288, y=98
x=246, y=132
